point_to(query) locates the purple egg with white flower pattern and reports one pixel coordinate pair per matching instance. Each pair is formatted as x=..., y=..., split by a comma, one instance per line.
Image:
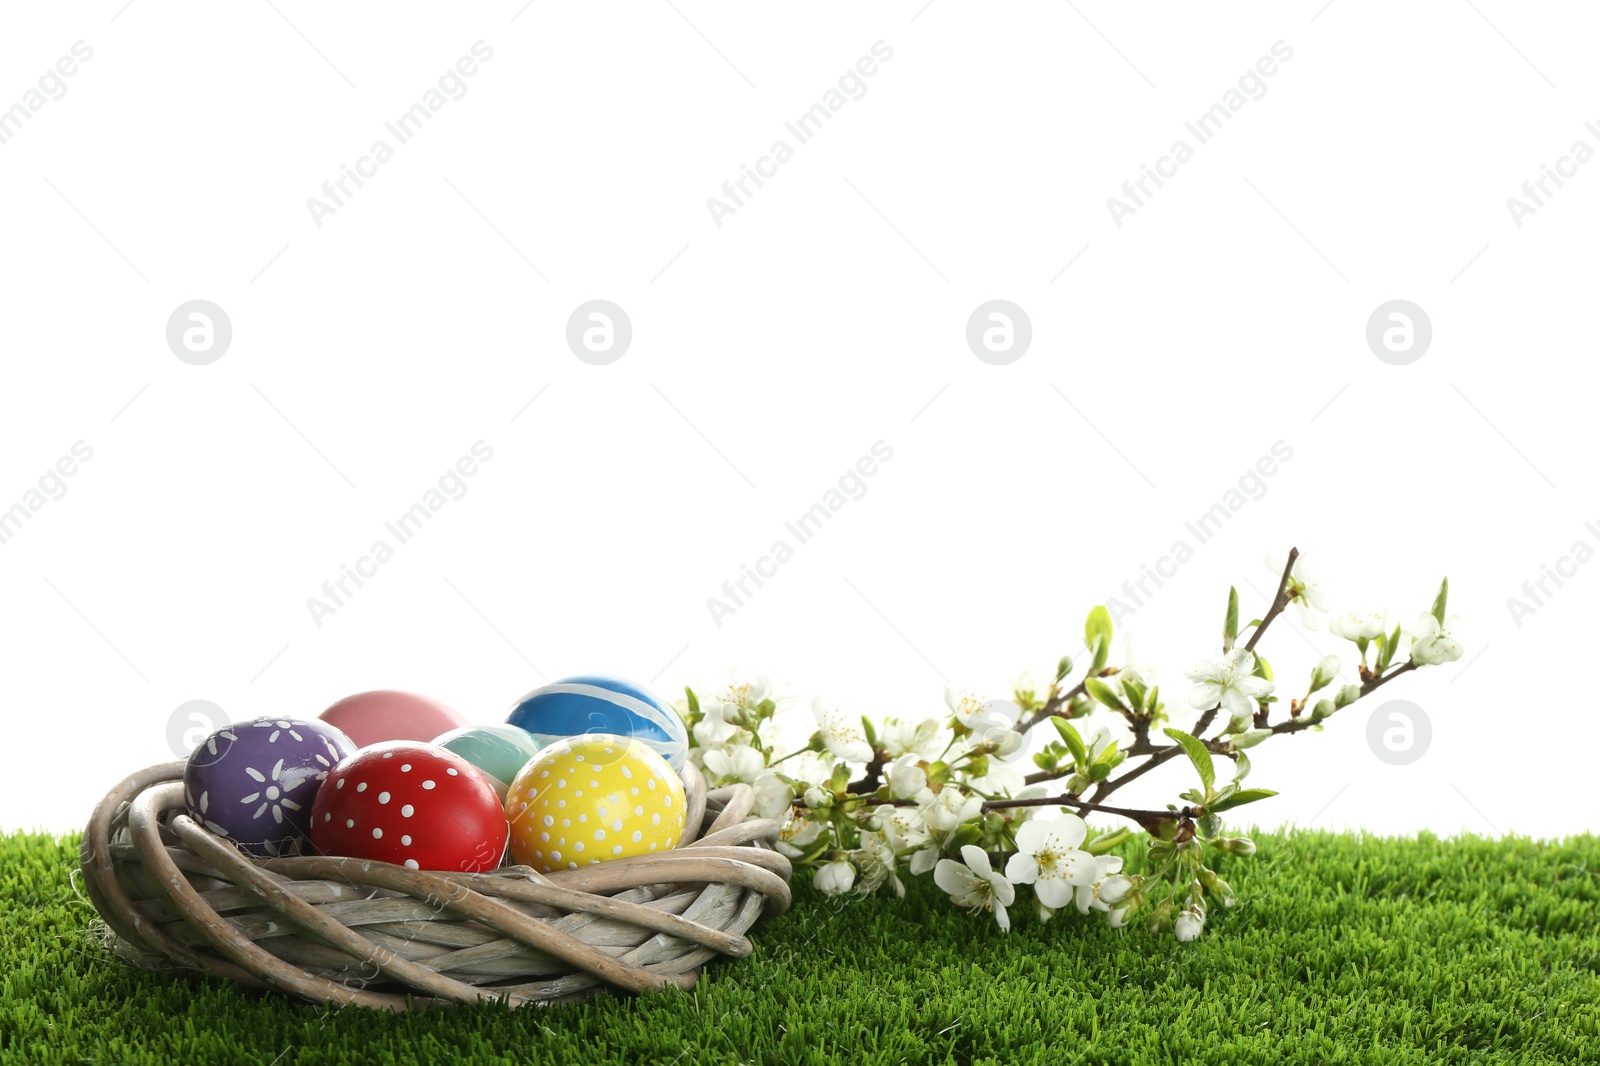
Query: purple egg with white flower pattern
x=253, y=783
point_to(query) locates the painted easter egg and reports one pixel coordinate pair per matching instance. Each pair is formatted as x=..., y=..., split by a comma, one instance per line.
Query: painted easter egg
x=592, y=798
x=374, y=717
x=598, y=703
x=413, y=805
x=254, y=783
x=500, y=751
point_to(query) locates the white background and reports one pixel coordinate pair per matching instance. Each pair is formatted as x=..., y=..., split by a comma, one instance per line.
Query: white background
x=768, y=354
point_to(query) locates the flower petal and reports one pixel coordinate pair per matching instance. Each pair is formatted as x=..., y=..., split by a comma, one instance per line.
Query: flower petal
x=953, y=877
x=1022, y=867
x=978, y=859
x=1053, y=892
x=1069, y=829
x=1077, y=867
x=1237, y=704
x=1031, y=835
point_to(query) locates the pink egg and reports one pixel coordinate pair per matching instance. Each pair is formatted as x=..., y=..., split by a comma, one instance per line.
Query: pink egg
x=374, y=717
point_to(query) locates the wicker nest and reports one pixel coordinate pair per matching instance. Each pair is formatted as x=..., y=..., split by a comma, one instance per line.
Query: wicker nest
x=341, y=930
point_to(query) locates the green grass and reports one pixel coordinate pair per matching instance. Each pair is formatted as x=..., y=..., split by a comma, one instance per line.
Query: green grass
x=1344, y=949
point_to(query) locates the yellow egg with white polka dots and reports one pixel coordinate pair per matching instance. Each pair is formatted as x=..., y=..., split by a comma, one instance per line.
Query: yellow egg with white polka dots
x=591, y=798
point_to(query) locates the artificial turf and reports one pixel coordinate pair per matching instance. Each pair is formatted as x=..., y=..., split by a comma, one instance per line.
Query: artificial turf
x=1343, y=949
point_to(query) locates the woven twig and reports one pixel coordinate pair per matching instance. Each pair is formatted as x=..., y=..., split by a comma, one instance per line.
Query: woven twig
x=352, y=931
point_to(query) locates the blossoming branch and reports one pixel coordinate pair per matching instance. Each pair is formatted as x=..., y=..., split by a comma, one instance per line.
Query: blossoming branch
x=866, y=803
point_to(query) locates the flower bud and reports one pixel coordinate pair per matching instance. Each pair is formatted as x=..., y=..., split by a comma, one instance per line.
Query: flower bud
x=1219, y=889
x=1322, y=710
x=1324, y=672
x=1248, y=740
x=834, y=879
x=818, y=797
x=1347, y=695
x=1189, y=923
x=1114, y=888
x=1236, y=845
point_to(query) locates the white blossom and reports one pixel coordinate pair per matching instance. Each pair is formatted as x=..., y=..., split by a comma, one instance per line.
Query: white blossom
x=735, y=763
x=1228, y=683
x=1133, y=667
x=1303, y=586
x=1048, y=858
x=963, y=705
x=1432, y=644
x=1029, y=689
x=1352, y=625
x=749, y=690
x=1189, y=923
x=950, y=808
x=841, y=732
x=999, y=778
x=973, y=884
x=834, y=879
x=798, y=835
x=906, y=778
x=878, y=863
x=1104, y=887
x=715, y=727
x=903, y=828
x=925, y=738
x=774, y=795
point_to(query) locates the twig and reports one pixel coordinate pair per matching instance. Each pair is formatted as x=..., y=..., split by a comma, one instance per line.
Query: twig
x=1056, y=702
x=1295, y=725
x=1070, y=800
x=1279, y=602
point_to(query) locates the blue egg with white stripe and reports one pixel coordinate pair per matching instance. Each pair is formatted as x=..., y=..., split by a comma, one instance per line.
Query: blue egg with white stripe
x=599, y=703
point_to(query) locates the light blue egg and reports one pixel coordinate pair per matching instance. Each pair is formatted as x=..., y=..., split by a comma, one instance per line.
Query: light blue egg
x=500, y=751
x=599, y=703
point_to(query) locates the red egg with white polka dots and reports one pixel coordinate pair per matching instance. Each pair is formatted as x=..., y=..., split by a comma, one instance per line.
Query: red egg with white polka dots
x=413, y=805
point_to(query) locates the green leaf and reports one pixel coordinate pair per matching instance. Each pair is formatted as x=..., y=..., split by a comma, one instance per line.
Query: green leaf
x=1263, y=668
x=1133, y=690
x=1064, y=667
x=840, y=779
x=1109, y=757
x=1074, y=742
x=1241, y=768
x=1230, y=624
x=1197, y=754
x=1104, y=693
x=1240, y=798
x=1106, y=841
x=1440, y=600
x=1392, y=646
x=1097, y=637
x=872, y=734
x=694, y=701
